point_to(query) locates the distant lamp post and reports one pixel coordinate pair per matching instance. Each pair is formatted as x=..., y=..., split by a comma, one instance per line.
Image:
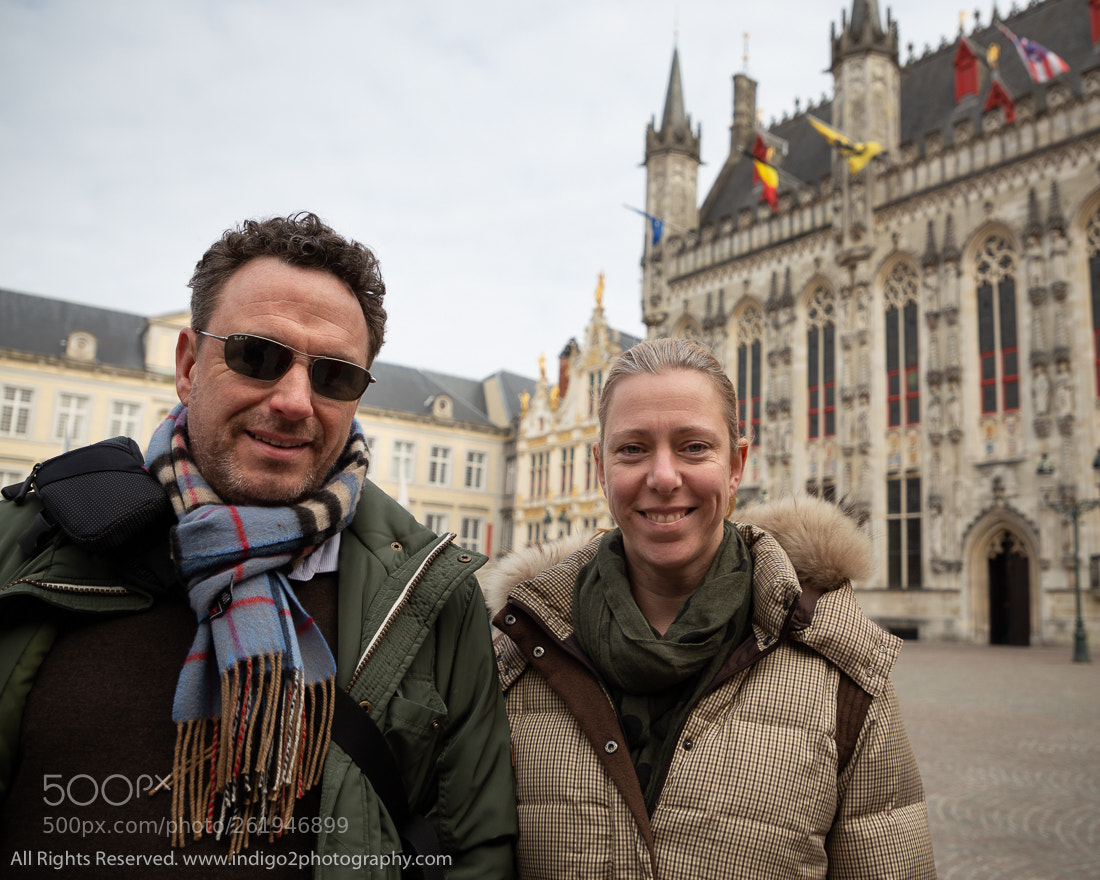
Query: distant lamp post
x=1069, y=506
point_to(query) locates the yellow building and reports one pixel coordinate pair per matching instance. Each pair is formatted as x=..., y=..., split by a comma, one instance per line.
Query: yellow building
x=557, y=493
x=73, y=374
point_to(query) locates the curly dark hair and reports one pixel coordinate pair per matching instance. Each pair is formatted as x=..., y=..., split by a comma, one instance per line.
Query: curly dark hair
x=301, y=239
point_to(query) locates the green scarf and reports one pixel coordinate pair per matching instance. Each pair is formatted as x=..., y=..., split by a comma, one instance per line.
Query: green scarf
x=655, y=680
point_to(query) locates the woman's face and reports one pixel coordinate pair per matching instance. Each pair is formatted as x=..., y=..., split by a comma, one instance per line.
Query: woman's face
x=668, y=469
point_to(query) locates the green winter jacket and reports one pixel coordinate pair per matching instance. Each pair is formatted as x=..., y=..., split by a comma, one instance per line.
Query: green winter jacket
x=430, y=680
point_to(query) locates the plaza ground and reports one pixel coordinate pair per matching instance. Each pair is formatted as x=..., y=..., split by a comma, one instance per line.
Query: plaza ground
x=1008, y=742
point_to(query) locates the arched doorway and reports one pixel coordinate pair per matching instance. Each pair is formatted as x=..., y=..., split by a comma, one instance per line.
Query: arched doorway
x=1009, y=590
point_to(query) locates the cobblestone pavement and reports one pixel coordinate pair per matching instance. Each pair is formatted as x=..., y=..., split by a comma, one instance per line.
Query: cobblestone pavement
x=1008, y=742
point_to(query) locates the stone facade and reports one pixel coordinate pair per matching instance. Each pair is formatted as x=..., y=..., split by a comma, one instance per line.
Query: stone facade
x=919, y=336
x=557, y=492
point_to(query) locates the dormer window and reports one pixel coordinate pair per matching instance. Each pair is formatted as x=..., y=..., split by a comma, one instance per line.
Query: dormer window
x=999, y=97
x=80, y=346
x=442, y=407
x=966, y=71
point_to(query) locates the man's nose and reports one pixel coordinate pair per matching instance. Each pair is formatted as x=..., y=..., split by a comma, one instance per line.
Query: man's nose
x=292, y=396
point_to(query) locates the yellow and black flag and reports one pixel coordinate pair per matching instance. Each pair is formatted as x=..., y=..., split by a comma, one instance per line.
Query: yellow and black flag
x=858, y=154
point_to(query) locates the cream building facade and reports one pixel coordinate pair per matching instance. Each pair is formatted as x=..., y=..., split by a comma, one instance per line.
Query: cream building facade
x=557, y=493
x=73, y=374
x=918, y=338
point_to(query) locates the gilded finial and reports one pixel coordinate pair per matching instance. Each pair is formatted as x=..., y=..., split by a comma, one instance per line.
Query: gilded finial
x=992, y=55
x=599, y=293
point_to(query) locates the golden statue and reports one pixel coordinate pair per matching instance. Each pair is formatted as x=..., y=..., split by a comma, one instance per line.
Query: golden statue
x=599, y=293
x=542, y=367
x=524, y=401
x=554, y=397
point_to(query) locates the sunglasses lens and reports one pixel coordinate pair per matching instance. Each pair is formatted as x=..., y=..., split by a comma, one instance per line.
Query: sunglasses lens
x=257, y=358
x=338, y=380
x=266, y=360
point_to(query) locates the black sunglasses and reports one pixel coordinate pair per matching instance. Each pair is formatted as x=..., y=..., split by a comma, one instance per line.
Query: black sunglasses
x=267, y=360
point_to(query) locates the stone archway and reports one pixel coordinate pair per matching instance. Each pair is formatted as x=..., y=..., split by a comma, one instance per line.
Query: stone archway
x=1009, y=590
x=1001, y=580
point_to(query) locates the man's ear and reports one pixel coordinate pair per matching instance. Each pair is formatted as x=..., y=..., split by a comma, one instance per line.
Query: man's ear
x=187, y=356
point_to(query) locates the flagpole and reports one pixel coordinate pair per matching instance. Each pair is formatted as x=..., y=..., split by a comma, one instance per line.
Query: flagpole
x=671, y=226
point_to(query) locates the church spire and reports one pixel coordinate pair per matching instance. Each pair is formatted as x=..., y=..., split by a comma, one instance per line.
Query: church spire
x=672, y=159
x=675, y=132
x=675, y=119
x=865, y=32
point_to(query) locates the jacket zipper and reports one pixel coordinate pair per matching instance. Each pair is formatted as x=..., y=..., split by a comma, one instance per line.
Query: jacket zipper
x=402, y=599
x=71, y=588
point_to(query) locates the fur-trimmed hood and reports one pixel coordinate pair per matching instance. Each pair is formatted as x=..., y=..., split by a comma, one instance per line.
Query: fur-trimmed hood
x=824, y=544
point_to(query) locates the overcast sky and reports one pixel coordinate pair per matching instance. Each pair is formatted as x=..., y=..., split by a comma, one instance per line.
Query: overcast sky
x=484, y=149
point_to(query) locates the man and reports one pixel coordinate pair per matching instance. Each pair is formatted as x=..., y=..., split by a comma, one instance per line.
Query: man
x=142, y=727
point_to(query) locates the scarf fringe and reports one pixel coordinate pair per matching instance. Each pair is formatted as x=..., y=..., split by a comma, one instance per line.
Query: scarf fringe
x=262, y=753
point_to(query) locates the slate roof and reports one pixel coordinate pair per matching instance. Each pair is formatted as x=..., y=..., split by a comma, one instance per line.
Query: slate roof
x=927, y=99
x=411, y=390
x=623, y=340
x=39, y=325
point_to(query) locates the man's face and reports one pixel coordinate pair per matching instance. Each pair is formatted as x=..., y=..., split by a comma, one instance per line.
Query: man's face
x=261, y=442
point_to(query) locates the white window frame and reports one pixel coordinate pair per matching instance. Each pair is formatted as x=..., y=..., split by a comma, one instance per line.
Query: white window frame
x=437, y=522
x=403, y=459
x=475, y=469
x=467, y=540
x=72, y=412
x=439, y=466
x=16, y=402
x=119, y=425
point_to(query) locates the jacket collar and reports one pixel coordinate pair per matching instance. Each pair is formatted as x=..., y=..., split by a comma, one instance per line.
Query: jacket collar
x=803, y=548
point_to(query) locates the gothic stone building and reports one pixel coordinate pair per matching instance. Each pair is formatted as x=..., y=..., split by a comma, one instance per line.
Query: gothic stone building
x=920, y=337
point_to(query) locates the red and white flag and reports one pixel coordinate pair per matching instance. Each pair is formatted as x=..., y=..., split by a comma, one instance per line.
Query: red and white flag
x=1041, y=63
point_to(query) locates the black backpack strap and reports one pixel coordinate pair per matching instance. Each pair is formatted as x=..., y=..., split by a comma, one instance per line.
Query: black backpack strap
x=852, y=705
x=357, y=734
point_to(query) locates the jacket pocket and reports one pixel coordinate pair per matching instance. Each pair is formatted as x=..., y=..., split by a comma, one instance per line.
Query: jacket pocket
x=415, y=724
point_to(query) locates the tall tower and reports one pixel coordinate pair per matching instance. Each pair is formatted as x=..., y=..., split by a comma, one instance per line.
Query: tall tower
x=672, y=162
x=866, y=77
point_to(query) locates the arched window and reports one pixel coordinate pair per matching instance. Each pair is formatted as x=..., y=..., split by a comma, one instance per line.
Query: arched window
x=997, y=343
x=821, y=365
x=1094, y=281
x=750, y=333
x=902, y=295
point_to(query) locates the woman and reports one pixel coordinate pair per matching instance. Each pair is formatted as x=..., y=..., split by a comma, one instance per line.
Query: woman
x=690, y=697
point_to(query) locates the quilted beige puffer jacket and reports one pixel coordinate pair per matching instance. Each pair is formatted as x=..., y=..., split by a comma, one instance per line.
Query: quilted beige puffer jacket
x=755, y=788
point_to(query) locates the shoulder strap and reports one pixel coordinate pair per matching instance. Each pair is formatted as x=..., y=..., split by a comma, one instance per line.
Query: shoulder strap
x=357, y=734
x=852, y=705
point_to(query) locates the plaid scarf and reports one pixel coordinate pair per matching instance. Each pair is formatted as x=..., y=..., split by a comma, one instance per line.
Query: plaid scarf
x=254, y=701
